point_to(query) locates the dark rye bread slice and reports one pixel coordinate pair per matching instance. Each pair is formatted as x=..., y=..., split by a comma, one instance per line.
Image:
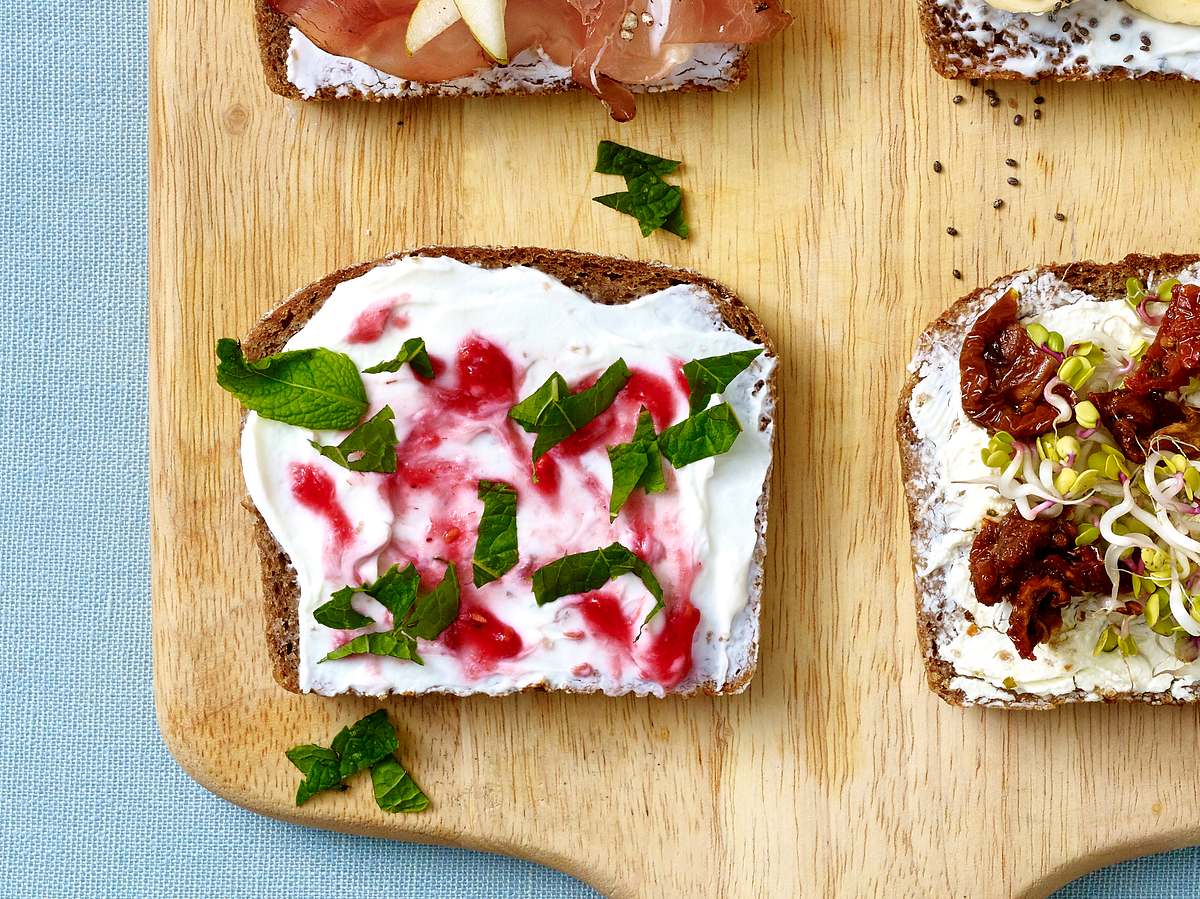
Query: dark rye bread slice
x=954, y=55
x=607, y=280
x=274, y=42
x=1101, y=281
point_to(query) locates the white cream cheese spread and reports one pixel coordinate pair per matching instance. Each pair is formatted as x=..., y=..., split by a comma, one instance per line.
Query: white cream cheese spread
x=1093, y=36
x=494, y=337
x=972, y=636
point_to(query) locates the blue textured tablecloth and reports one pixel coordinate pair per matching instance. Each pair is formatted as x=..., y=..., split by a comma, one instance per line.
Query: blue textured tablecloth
x=91, y=804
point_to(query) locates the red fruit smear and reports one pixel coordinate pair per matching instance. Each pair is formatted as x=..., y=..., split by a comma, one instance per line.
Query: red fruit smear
x=669, y=658
x=653, y=392
x=315, y=491
x=605, y=619
x=370, y=323
x=480, y=640
x=616, y=423
x=545, y=470
x=485, y=377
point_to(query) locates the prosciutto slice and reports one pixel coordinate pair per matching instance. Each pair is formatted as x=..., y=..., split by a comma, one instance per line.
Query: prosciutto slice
x=609, y=45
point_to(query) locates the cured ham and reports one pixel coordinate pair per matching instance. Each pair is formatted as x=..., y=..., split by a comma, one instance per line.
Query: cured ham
x=609, y=45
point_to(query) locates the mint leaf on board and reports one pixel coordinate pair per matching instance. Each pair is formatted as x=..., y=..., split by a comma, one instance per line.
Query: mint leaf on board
x=648, y=199
x=496, y=542
x=365, y=742
x=394, y=643
x=635, y=464
x=586, y=571
x=321, y=769
x=412, y=352
x=708, y=433
x=339, y=613
x=395, y=790
x=314, y=388
x=437, y=609
x=615, y=159
x=557, y=413
x=372, y=445
x=675, y=223
x=713, y=374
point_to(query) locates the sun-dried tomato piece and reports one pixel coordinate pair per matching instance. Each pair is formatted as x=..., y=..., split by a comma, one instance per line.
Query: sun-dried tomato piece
x=1174, y=357
x=1004, y=549
x=1002, y=374
x=1037, y=612
x=1134, y=418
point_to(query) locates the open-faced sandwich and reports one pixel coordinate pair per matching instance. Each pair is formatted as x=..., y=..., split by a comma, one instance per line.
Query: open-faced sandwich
x=1050, y=442
x=324, y=49
x=1067, y=40
x=489, y=470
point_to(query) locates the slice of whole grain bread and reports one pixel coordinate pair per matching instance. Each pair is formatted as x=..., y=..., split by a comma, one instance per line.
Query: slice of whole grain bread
x=607, y=280
x=275, y=39
x=947, y=28
x=934, y=605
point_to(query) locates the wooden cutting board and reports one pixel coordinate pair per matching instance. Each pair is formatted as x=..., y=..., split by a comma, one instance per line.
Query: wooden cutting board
x=812, y=193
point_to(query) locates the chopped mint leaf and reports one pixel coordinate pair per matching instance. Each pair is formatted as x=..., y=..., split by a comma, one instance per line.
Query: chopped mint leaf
x=712, y=375
x=395, y=790
x=437, y=609
x=320, y=767
x=615, y=159
x=708, y=433
x=554, y=413
x=396, y=644
x=364, y=743
x=527, y=412
x=582, y=572
x=339, y=613
x=648, y=199
x=413, y=615
x=315, y=388
x=675, y=223
x=496, y=544
x=635, y=464
x=372, y=445
x=413, y=352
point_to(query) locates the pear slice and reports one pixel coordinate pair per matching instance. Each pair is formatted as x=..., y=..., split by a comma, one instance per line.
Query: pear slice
x=485, y=18
x=1184, y=12
x=429, y=19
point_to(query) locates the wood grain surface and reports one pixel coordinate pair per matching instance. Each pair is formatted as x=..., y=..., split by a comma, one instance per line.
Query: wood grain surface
x=812, y=193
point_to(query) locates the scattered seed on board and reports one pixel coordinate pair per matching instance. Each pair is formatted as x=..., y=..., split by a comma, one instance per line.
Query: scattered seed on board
x=1039, y=100
x=1059, y=217
x=1013, y=182
x=1037, y=113
x=952, y=231
x=998, y=204
x=1018, y=119
x=993, y=101
x=1011, y=163
x=937, y=166
x=957, y=274
x=958, y=98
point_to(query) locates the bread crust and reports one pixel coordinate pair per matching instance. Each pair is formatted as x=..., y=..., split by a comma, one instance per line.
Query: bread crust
x=607, y=280
x=959, y=58
x=1099, y=280
x=274, y=42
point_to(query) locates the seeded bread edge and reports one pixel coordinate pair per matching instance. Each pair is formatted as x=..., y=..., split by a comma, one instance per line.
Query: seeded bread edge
x=1100, y=280
x=959, y=58
x=606, y=280
x=274, y=42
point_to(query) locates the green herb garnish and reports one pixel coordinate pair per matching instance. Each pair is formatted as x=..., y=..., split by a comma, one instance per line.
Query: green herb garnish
x=653, y=202
x=314, y=388
x=372, y=445
x=554, y=413
x=712, y=375
x=413, y=616
x=635, y=464
x=412, y=352
x=339, y=613
x=708, y=433
x=368, y=743
x=496, y=544
x=582, y=572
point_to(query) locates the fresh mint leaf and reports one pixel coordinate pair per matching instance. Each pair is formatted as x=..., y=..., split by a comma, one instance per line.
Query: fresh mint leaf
x=412, y=352
x=365, y=742
x=527, y=412
x=320, y=767
x=648, y=199
x=565, y=413
x=615, y=159
x=339, y=613
x=314, y=388
x=496, y=543
x=396, y=589
x=708, y=433
x=675, y=223
x=396, y=644
x=395, y=790
x=635, y=464
x=436, y=610
x=586, y=571
x=372, y=445
x=713, y=374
